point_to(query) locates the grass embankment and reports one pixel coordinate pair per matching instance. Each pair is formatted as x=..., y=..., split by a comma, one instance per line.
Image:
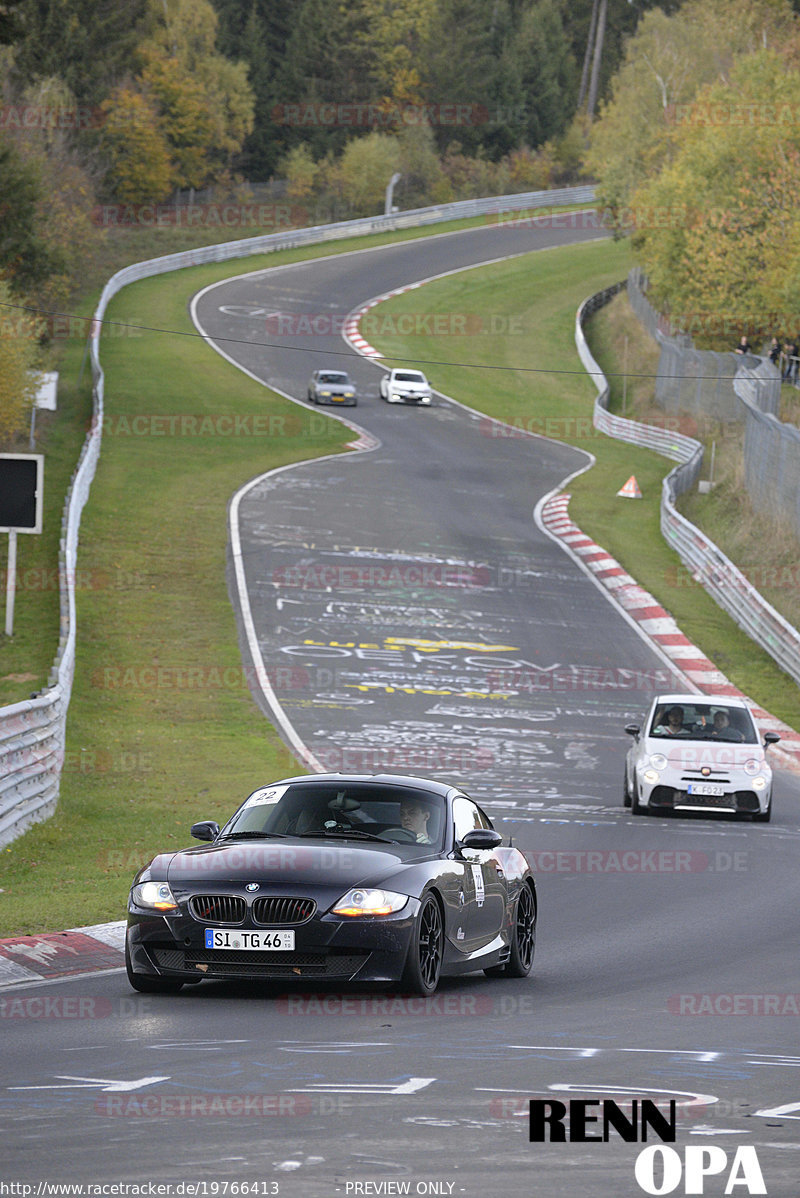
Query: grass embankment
x=536, y=299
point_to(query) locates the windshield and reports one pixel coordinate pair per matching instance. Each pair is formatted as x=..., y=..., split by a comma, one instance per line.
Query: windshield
x=395, y=814
x=336, y=379
x=409, y=376
x=703, y=721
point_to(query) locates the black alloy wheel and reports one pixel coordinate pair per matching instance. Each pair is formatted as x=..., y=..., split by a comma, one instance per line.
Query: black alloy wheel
x=523, y=940
x=424, y=964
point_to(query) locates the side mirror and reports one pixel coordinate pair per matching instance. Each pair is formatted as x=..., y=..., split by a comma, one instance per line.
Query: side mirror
x=633, y=730
x=207, y=829
x=770, y=738
x=481, y=838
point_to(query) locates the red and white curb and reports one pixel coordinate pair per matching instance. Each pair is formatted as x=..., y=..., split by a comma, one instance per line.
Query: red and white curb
x=76, y=952
x=352, y=325
x=658, y=625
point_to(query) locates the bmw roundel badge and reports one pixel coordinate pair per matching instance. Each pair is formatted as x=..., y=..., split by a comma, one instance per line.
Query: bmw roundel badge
x=251, y=886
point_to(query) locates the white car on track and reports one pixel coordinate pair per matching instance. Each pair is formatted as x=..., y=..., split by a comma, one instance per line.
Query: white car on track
x=699, y=753
x=405, y=386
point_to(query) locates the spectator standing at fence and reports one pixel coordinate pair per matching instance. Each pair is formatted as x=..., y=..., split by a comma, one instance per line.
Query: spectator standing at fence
x=790, y=369
x=774, y=351
x=744, y=346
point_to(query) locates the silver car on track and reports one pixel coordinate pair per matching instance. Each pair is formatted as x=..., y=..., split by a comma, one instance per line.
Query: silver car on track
x=699, y=753
x=333, y=387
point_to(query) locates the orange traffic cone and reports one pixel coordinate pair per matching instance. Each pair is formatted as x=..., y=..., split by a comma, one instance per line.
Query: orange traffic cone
x=631, y=489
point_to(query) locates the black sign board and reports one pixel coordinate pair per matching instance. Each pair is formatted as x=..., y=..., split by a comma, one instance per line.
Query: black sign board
x=21, y=488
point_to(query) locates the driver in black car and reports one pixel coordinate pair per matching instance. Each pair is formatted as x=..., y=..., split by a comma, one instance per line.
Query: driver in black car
x=414, y=818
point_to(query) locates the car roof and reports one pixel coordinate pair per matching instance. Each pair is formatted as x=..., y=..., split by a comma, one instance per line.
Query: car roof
x=443, y=789
x=688, y=698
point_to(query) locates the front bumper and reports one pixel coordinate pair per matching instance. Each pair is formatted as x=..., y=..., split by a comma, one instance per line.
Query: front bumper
x=673, y=794
x=326, y=948
x=408, y=398
x=340, y=401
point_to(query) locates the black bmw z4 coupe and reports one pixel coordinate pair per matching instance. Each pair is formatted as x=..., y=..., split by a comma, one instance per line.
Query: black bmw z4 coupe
x=336, y=877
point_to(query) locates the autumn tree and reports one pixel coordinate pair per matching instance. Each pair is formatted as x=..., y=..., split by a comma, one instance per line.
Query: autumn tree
x=719, y=223
x=666, y=62
x=300, y=172
x=364, y=170
x=62, y=212
x=139, y=166
x=204, y=100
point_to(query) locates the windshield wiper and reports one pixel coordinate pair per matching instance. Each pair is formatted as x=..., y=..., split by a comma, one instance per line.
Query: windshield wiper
x=346, y=832
x=253, y=836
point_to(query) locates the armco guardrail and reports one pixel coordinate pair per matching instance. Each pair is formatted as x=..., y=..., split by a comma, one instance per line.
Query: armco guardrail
x=708, y=564
x=33, y=733
x=660, y=437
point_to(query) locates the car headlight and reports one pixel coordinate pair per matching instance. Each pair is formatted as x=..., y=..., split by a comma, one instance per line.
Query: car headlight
x=326, y=393
x=759, y=783
x=155, y=895
x=361, y=901
x=658, y=761
x=751, y=767
x=349, y=394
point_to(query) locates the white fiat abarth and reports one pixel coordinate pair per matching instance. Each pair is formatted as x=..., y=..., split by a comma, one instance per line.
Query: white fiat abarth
x=699, y=753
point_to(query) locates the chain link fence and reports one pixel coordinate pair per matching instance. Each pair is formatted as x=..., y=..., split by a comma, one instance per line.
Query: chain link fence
x=708, y=564
x=726, y=388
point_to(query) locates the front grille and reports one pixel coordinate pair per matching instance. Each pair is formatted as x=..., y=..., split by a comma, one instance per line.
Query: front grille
x=218, y=908
x=273, y=910
x=230, y=963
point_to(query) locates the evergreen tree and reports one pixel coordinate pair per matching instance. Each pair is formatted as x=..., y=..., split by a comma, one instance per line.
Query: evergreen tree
x=25, y=259
x=256, y=32
x=86, y=43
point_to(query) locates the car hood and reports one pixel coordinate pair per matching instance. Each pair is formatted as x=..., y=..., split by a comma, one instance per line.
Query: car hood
x=291, y=862
x=336, y=388
x=401, y=386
